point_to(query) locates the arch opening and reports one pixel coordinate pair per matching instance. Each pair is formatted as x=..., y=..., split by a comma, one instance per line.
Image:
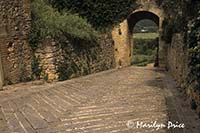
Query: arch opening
x=134, y=18
x=143, y=27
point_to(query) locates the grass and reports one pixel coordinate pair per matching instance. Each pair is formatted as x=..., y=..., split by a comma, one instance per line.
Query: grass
x=142, y=60
x=145, y=35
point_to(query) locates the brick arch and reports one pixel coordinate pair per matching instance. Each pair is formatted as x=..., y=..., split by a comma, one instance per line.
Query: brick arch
x=122, y=34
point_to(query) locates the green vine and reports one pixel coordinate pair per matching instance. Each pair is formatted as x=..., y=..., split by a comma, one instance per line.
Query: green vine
x=36, y=68
x=194, y=53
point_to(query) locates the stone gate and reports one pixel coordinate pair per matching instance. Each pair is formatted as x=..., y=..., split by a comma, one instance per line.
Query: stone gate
x=122, y=34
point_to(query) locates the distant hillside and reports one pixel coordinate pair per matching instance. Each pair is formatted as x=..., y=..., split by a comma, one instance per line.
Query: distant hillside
x=145, y=25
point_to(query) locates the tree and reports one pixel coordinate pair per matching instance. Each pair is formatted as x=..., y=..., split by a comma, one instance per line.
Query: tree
x=100, y=13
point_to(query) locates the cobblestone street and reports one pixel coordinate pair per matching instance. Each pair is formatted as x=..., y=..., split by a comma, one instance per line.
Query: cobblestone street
x=99, y=103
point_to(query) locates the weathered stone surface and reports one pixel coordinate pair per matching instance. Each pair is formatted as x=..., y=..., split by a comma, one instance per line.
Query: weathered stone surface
x=14, y=48
x=178, y=59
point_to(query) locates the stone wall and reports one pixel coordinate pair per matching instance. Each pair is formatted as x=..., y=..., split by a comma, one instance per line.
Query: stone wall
x=48, y=53
x=177, y=64
x=17, y=56
x=177, y=59
x=14, y=48
x=123, y=45
x=64, y=60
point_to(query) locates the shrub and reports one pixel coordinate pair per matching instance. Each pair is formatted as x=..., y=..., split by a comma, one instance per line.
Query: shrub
x=47, y=22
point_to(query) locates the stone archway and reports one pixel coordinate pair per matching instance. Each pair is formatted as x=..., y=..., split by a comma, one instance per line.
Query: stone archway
x=122, y=34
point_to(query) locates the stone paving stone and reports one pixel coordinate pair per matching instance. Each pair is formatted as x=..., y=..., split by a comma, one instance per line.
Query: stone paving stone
x=36, y=120
x=3, y=124
x=13, y=122
x=43, y=103
x=48, y=116
x=24, y=123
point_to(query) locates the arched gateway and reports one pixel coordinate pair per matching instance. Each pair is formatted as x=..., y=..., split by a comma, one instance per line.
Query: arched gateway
x=123, y=33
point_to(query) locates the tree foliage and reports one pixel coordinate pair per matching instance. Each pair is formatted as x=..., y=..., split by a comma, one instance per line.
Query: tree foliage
x=100, y=13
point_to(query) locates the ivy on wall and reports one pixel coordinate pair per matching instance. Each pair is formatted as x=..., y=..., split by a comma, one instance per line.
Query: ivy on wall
x=194, y=53
x=171, y=26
